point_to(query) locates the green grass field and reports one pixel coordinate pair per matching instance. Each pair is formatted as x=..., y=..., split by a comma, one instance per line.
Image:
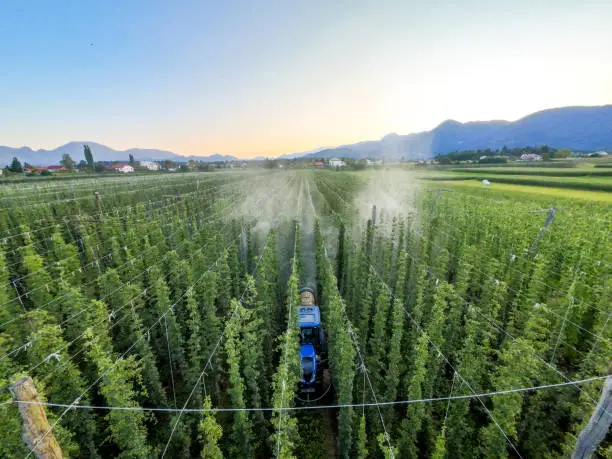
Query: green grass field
x=598, y=186
x=539, y=171
x=528, y=191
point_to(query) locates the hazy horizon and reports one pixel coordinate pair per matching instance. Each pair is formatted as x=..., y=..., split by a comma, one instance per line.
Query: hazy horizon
x=247, y=80
x=246, y=156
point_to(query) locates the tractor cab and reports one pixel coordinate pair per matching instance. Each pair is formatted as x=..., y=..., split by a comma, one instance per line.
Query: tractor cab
x=311, y=332
x=308, y=363
x=309, y=321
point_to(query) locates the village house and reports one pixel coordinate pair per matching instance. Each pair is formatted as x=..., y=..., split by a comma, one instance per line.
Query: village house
x=336, y=162
x=55, y=168
x=125, y=168
x=46, y=168
x=150, y=165
x=531, y=157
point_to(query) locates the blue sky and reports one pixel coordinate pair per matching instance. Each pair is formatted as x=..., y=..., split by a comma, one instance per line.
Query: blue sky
x=270, y=77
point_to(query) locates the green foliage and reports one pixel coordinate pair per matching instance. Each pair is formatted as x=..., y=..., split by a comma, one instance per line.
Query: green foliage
x=412, y=423
x=440, y=446
x=88, y=157
x=241, y=428
x=210, y=432
x=67, y=162
x=341, y=348
x=378, y=341
x=156, y=278
x=565, y=153
x=11, y=444
x=126, y=428
x=494, y=155
x=285, y=438
x=361, y=450
x=16, y=166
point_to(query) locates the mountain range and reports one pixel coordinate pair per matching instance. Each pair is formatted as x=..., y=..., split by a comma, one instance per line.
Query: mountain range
x=100, y=152
x=576, y=128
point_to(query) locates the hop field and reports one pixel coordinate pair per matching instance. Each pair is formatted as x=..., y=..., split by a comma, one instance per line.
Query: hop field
x=156, y=315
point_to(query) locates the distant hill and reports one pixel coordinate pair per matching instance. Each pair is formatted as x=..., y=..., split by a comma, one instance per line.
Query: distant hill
x=577, y=128
x=299, y=154
x=75, y=150
x=211, y=158
x=100, y=152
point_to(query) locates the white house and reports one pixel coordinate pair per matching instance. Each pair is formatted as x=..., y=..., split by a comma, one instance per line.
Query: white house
x=150, y=165
x=336, y=162
x=375, y=162
x=125, y=168
x=531, y=157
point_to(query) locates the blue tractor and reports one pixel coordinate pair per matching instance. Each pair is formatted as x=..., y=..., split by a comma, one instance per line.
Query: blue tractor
x=313, y=346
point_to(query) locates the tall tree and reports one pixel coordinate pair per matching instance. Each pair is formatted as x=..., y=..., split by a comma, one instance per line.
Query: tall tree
x=16, y=166
x=67, y=162
x=89, y=157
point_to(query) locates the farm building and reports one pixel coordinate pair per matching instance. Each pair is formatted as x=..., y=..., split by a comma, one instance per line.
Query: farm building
x=336, y=162
x=531, y=157
x=125, y=168
x=150, y=165
x=47, y=168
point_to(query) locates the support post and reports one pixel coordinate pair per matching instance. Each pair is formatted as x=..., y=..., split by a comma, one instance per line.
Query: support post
x=438, y=194
x=243, y=240
x=599, y=424
x=549, y=219
x=98, y=204
x=37, y=433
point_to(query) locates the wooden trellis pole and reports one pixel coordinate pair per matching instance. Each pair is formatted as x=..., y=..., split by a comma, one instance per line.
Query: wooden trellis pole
x=98, y=204
x=549, y=219
x=37, y=433
x=598, y=426
x=243, y=240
